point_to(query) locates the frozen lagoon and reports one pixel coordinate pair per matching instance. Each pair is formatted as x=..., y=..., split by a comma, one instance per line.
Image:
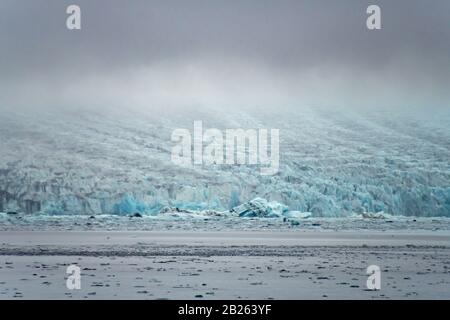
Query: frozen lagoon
x=148, y=258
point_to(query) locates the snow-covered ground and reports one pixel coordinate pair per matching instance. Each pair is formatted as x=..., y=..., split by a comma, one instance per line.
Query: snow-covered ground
x=225, y=265
x=319, y=274
x=180, y=255
x=332, y=163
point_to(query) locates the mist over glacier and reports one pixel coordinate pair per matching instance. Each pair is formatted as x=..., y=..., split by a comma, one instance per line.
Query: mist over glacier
x=86, y=115
x=331, y=163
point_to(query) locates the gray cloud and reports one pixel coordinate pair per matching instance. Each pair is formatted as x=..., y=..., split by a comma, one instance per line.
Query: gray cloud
x=231, y=52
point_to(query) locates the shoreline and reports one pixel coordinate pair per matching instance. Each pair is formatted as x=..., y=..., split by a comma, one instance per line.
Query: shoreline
x=227, y=238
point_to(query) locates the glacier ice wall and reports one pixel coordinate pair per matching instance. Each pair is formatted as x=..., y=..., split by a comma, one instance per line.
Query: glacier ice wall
x=332, y=164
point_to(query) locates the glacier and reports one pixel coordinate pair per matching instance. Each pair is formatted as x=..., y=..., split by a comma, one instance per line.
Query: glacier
x=333, y=164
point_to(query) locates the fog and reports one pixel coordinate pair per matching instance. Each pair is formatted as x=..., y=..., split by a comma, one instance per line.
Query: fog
x=224, y=54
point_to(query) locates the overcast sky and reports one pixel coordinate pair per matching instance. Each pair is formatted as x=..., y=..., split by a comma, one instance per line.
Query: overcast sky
x=148, y=54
